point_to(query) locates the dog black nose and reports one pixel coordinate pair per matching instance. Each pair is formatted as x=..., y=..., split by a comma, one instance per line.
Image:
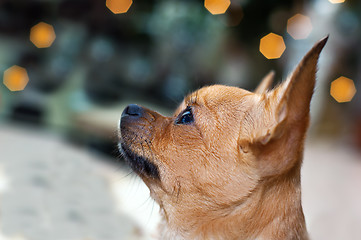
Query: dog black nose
x=133, y=110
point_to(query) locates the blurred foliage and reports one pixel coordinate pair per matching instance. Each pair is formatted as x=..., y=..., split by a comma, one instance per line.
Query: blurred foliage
x=156, y=52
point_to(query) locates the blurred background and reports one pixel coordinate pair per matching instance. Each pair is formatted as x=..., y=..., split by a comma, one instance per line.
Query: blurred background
x=69, y=67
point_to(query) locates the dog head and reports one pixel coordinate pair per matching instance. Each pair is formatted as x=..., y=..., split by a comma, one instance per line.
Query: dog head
x=221, y=145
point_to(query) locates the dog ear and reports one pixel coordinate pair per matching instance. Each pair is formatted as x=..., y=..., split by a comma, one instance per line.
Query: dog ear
x=265, y=83
x=290, y=101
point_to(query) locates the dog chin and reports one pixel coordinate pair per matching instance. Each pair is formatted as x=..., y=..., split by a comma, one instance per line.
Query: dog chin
x=140, y=164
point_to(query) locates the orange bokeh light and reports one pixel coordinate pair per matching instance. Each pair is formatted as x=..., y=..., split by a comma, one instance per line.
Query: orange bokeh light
x=336, y=1
x=272, y=46
x=119, y=6
x=343, y=89
x=217, y=6
x=299, y=26
x=42, y=35
x=16, y=78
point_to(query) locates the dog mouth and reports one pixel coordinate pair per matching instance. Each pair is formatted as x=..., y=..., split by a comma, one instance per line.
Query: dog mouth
x=139, y=164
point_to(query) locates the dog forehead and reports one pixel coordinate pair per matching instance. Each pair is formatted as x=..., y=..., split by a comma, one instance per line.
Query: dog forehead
x=220, y=94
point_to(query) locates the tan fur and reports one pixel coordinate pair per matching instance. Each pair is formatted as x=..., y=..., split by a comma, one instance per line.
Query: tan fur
x=234, y=173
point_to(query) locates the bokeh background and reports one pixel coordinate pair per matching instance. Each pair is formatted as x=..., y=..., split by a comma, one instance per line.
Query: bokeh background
x=69, y=67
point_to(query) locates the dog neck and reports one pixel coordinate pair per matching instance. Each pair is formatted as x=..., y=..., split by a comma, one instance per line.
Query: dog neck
x=272, y=211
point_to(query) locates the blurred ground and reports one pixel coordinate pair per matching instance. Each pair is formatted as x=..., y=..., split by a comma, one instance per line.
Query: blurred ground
x=50, y=189
x=331, y=184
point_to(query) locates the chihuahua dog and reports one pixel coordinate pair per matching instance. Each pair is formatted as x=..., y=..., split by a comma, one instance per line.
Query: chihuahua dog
x=227, y=164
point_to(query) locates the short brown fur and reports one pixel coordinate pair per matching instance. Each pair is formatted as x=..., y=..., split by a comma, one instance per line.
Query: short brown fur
x=234, y=172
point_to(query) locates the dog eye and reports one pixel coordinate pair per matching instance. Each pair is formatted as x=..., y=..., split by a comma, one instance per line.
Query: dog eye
x=185, y=117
